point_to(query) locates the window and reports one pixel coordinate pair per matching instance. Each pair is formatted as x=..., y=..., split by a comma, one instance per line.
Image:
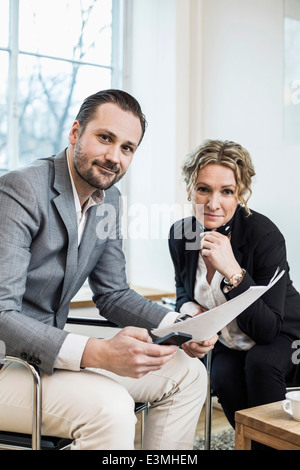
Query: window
x=292, y=72
x=52, y=56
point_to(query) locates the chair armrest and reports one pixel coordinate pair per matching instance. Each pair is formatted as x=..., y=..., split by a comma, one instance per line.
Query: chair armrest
x=89, y=321
x=170, y=301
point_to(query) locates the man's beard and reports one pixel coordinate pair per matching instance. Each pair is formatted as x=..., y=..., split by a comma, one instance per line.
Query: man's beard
x=88, y=170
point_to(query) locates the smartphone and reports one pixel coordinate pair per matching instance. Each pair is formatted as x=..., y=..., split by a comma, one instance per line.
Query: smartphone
x=175, y=338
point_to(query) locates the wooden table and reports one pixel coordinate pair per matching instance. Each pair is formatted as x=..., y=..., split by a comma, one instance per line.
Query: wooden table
x=83, y=297
x=269, y=425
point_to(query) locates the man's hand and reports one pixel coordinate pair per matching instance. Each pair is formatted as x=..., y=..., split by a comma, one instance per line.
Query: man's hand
x=199, y=350
x=130, y=353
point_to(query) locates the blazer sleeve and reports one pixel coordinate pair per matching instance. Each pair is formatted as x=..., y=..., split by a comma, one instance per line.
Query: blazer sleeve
x=263, y=320
x=177, y=255
x=23, y=335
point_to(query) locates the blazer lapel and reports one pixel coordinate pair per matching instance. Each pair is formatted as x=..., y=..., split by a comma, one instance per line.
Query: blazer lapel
x=65, y=205
x=191, y=263
x=238, y=234
x=191, y=233
x=89, y=238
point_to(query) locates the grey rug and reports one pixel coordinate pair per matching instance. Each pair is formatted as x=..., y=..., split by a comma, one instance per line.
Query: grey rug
x=223, y=441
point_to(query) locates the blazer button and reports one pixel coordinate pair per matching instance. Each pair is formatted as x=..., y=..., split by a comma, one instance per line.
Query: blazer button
x=36, y=360
x=26, y=356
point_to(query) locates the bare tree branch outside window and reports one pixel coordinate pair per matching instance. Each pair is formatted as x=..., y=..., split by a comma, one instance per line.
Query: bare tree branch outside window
x=65, y=50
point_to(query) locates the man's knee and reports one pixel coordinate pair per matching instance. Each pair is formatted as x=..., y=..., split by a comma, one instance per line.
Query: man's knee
x=109, y=425
x=192, y=368
x=114, y=408
x=119, y=410
x=84, y=398
x=191, y=376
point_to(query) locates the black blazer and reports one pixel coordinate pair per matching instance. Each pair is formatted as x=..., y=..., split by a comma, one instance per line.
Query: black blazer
x=259, y=248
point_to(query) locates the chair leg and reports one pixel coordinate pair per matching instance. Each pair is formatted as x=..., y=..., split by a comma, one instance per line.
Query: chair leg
x=37, y=407
x=143, y=421
x=208, y=405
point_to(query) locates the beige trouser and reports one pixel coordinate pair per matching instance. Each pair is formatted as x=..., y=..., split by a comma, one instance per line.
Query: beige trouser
x=96, y=408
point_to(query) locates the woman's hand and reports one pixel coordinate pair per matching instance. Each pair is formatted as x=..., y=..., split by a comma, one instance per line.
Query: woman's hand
x=216, y=248
x=200, y=310
x=199, y=350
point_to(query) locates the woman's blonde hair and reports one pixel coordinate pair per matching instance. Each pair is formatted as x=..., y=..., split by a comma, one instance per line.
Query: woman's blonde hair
x=224, y=153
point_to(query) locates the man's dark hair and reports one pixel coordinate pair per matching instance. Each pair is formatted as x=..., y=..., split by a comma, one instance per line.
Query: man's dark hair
x=119, y=97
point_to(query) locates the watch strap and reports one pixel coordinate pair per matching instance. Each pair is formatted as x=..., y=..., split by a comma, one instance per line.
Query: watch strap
x=182, y=318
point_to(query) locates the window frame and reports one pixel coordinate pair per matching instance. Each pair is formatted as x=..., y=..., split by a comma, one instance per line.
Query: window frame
x=291, y=92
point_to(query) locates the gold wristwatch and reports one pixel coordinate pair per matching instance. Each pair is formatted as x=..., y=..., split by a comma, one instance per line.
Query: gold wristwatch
x=233, y=281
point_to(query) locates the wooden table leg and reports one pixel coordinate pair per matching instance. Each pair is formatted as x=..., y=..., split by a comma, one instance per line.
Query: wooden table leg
x=241, y=441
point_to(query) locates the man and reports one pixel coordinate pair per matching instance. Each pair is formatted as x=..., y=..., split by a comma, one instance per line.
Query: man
x=49, y=244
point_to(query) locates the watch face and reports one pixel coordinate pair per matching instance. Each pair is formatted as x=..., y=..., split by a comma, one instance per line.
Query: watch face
x=230, y=284
x=236, y=278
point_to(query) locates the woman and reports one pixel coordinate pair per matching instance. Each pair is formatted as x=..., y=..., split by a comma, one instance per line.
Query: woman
x=238, y=248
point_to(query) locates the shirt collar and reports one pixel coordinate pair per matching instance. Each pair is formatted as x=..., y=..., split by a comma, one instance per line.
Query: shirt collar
x=96, y=198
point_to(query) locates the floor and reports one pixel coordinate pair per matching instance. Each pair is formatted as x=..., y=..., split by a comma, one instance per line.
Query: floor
x=219, y=424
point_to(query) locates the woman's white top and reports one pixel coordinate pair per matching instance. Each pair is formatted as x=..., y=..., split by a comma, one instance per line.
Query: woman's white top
x=210, y=296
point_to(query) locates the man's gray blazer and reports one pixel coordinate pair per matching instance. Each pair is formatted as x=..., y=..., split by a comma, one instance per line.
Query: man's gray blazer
x=42, y=267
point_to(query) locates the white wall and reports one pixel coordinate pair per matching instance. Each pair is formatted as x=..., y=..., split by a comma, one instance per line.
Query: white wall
x=159, y=78
x=243, y=101
x=208, y=69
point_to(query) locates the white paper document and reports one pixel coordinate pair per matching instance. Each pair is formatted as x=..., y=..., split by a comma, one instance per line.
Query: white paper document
x=207, y=324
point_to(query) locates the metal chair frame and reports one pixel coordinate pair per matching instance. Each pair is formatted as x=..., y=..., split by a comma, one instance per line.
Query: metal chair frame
x=208, y=405
x=36, y=402
x=35, y=441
